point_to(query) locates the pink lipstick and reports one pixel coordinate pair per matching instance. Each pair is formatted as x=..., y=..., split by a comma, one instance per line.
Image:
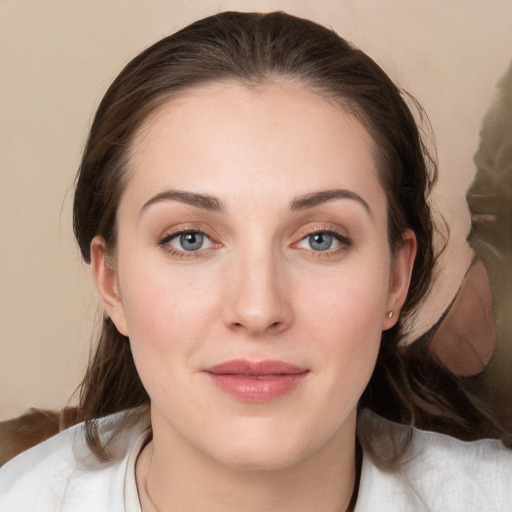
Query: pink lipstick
x=260, y=381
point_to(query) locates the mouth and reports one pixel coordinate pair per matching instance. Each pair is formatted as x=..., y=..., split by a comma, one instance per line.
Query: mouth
x=257, y=382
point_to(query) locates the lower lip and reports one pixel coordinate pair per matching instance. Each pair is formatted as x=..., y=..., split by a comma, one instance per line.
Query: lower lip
x=254, y=389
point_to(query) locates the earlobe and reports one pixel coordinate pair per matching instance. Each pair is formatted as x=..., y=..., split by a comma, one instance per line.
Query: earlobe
x=400, y=278
x=105, y=279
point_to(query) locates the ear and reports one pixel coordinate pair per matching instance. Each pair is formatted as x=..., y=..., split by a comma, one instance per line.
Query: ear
x=400, y=277
x=105, y=279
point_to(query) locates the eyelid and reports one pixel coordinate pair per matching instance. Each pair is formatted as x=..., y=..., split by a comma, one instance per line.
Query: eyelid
x=178, y=236
x=175, y=231
x=338, y=233
x=311, y=229
x=303, y=242
x=170, y=234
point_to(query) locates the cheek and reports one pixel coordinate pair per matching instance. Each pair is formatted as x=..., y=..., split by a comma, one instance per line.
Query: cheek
x=349, y=341
x=350, y=300
x=167, y=311
x=149, y=284
x=344, y=321
x=168, y=322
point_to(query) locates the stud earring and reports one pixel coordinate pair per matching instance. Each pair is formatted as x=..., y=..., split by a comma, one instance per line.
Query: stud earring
x=389, y=314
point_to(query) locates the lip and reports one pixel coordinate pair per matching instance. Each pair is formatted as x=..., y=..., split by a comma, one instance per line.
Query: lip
x=258, y=381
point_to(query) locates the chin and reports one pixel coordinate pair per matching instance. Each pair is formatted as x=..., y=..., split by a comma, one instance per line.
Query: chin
x=260, y=460
x=260, y=449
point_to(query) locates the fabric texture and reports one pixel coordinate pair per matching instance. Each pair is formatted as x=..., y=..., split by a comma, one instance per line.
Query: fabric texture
x=439, y=474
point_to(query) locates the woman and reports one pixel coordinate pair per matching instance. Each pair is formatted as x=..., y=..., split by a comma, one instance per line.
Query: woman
x=252, y=200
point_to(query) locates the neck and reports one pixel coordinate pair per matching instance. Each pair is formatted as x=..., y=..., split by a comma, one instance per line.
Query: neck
x=172, y=477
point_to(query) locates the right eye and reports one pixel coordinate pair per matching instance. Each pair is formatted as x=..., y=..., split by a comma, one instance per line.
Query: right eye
x=189, y=241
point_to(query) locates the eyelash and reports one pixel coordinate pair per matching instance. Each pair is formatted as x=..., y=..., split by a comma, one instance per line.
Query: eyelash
x=344, y=241
x=164, y=242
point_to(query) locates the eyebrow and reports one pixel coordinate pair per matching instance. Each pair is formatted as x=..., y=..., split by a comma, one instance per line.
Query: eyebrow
x=211, y=203
x=317, y=198
x=203, y=201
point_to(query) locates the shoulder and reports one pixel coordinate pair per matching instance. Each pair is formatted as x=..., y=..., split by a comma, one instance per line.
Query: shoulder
x=440, y=473
x=472, y=475
x=62, y=474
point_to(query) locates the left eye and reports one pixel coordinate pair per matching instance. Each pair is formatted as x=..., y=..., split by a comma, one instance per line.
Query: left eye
x=190, y=241
x=321, y=241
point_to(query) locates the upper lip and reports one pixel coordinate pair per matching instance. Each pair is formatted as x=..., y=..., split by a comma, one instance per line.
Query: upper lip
x=255, y=368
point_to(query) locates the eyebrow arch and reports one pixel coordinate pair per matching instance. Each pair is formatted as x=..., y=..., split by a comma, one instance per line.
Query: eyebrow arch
x=203, y=201
x=317, y=198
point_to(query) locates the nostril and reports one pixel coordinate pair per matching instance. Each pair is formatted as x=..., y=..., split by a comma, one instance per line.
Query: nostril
x=275, y=326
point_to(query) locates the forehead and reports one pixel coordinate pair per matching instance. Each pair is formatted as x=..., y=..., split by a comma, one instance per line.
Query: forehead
x=227, y=137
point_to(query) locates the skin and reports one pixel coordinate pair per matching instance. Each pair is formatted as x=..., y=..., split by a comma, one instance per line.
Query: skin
x=257, y=289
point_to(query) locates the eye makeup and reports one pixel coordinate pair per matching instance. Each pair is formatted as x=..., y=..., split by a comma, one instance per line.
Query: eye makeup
x=195, y=242
x=323, y=241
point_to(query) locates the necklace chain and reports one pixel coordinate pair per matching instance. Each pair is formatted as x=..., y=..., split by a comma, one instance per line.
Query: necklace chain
x=351, y=505
x=146, y=489
x=148, y=494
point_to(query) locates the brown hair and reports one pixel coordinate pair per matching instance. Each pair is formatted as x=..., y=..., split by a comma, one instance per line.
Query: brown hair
x=254, y=49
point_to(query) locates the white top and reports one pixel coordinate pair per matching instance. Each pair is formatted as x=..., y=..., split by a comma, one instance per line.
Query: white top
x=440, y=474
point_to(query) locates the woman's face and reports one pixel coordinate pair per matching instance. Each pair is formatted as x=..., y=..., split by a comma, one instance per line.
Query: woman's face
x=253, y=274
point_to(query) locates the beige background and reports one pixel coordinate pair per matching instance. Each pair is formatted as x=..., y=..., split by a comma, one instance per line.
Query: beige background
x=58, y=57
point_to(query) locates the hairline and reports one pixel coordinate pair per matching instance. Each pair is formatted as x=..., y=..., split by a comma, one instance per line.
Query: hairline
x=341, y=102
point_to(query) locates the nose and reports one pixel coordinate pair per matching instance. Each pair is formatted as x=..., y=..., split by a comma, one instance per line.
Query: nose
x=258, y=298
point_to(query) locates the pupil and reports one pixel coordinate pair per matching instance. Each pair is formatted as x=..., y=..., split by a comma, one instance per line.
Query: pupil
x=320, y=241
x=191, y=241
